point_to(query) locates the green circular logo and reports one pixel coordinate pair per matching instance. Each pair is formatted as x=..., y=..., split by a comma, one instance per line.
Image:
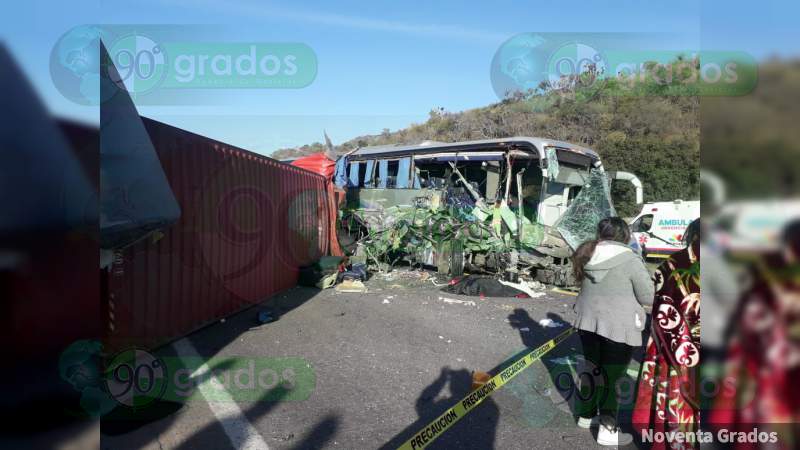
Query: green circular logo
x=575, y=60
x=136, y=378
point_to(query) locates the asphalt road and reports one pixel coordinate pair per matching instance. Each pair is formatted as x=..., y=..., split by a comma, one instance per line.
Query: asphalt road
x=386, y=363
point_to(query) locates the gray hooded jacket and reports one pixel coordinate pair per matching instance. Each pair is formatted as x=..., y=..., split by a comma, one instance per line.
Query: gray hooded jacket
x=616, y=286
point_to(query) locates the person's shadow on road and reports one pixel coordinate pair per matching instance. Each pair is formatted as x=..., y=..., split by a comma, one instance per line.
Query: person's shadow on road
x=557, y=361
x=476, y=430
x=567, y=368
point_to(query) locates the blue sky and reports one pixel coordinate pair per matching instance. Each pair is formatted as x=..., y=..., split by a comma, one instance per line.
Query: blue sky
x=381, y=64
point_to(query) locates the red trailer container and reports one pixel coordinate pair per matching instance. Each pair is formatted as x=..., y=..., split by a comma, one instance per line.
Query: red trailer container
x=248, y=223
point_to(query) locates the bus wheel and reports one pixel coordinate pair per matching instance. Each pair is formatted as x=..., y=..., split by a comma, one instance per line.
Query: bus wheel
x=456, y=258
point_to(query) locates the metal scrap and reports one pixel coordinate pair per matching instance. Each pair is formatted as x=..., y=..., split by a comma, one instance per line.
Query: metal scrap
x=457, y=301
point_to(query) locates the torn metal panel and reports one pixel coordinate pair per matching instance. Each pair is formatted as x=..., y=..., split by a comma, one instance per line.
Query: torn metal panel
x=475, y=195
x=552, y=163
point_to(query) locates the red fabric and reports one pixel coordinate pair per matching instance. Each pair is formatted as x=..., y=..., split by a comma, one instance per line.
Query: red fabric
x=317, y=163
x=764, y=359
x=666, y=400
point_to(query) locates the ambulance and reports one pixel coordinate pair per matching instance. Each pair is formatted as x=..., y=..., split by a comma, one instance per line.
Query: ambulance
x=659, y=227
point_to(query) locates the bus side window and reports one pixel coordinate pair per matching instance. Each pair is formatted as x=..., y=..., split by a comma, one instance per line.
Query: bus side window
x=387, y=173
x=392, y=178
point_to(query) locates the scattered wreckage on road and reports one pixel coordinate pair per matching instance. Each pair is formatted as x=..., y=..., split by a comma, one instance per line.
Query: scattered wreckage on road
x=515, y=207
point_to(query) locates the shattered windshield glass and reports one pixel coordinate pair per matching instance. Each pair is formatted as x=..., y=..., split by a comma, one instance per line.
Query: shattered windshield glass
x=593, y=203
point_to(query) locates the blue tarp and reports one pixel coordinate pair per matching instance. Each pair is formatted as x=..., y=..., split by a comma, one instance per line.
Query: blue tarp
x=354, y=166
x=340, y=176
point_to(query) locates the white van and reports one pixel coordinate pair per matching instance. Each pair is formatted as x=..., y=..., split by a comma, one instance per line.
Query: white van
x=659, y=227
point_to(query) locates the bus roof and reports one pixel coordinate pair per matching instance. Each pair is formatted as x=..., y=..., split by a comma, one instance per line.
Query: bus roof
x=517, y=142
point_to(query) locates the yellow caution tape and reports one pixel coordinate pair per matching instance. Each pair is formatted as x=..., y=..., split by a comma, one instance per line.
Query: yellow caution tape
x=433, y=430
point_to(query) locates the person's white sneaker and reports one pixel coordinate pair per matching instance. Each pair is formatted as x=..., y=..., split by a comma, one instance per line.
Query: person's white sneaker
x=586, y=423
x=609, y=434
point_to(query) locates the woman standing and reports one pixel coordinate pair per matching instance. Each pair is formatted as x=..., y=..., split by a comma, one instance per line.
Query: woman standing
x=666, y=400
x=615, y=284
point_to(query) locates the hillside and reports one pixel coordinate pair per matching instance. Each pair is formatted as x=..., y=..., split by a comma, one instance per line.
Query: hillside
x=753, y=142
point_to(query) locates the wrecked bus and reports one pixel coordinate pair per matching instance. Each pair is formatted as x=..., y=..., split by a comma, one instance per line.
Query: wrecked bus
x=515, y=207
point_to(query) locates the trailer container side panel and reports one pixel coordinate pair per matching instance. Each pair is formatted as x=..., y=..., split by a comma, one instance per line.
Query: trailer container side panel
x=248, y=223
